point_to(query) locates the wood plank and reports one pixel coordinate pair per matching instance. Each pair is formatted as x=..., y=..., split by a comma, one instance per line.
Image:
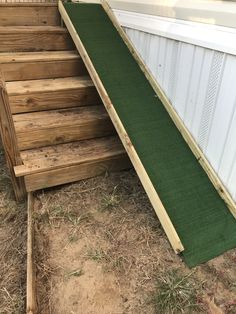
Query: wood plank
x=75, y=173
x=32, y=30
x=42, y=70
x=29, y=15
x=34, y=38
x=218, y=184
x=29, y=96
x=31, y=305
x=9, y=142
x=144, y=178
x=64, y=155
x=38, y=56
x=49, y=85
x=47, y=128
x=41, y=65
x=27, y=4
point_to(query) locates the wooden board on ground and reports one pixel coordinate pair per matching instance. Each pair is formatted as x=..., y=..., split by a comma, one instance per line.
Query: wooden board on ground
x=31, y=306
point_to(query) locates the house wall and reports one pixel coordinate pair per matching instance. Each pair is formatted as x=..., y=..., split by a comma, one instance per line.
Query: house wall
x=198, y=76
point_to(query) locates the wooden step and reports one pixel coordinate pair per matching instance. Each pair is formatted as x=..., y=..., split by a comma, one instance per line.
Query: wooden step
x=29, y=14
x=64, y=163
x=41, y=65
x=34, y=38
x=36, y=95
x=46, y=128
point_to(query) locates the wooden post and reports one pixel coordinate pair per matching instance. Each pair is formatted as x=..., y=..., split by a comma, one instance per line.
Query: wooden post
x=9, y=141
x=31, y=305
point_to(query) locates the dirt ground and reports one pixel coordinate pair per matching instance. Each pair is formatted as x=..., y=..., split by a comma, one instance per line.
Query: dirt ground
x=101, y=250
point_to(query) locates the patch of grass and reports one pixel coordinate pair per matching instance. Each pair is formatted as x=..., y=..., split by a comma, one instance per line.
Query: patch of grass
x=73, y=237
x=97, y=255
x=110, y=201
x=75, y=273
x=176, y=293
x=56, y=214
x=112, y=259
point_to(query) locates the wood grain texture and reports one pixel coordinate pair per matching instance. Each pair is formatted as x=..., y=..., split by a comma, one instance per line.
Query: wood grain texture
x=31, y=305
x=46, y=128
x=41, y=65
x=29, y=15
x=29, y=96
x=64, y=155
x=75, y=172
x=9, y=142
x=34, y=38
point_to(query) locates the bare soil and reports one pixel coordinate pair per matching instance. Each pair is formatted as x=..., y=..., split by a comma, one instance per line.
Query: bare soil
x=99, y=250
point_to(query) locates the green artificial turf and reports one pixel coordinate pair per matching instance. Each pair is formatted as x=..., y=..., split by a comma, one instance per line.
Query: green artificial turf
x=202, y=220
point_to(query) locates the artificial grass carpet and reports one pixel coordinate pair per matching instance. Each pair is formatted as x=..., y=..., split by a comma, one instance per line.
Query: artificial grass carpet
x=201, y=218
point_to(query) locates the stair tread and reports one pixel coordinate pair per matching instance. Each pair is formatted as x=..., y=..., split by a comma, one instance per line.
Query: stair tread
x=47, y=85
x=38, y=56
x=27, y=4
x=47, y=120
x=32, y=29
x=64, y=155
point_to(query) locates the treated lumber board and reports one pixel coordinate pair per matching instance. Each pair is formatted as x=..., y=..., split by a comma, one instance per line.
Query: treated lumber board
x=216, y=181
x=31, y=305
x=64, y=155
x=34, y=38
x=9, y=142
x=49, y=85
x=12, y=15
x=36, y=95
x=146, y=182
x=38, y=56
x=41, y=65
x=28, y=3
x=75, y=172
x=46, y=128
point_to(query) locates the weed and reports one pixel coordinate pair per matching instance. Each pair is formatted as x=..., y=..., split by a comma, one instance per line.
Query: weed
x=75, y=273
x=110, y=201
x=97, y=255
x=176, y=293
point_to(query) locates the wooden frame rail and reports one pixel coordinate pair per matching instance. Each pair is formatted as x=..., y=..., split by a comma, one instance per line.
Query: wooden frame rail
x=9, y=141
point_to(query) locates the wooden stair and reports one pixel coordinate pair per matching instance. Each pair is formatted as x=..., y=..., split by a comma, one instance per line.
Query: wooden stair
x=54, y=127
x=41, y=65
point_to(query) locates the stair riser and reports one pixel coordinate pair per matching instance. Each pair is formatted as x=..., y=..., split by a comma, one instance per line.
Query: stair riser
x=16, y=71
x=75, y=173
x=11, y=15
x=64, y=134
x=35, y=41
x=54, y=100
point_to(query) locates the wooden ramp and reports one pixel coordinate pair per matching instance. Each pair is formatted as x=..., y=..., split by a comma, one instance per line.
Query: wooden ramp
x=54, y=128
x=196, y=220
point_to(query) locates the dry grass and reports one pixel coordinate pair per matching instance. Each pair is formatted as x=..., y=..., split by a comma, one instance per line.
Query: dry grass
x=12, y=247
x=113, y=219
